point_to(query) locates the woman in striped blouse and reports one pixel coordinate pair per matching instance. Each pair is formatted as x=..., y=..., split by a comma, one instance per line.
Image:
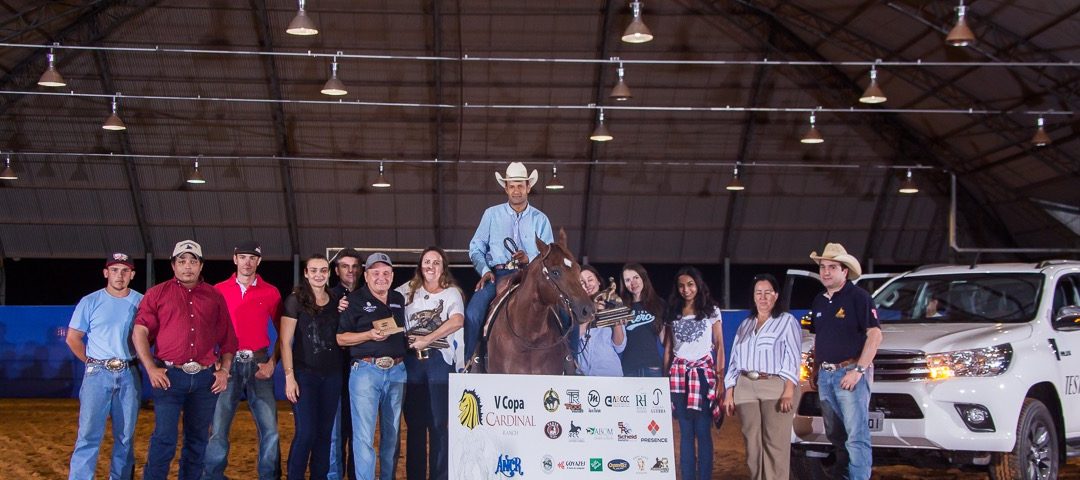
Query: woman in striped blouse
x=761, y=379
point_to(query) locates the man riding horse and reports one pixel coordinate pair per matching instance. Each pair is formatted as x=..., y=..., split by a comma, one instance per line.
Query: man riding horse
x=493, y=256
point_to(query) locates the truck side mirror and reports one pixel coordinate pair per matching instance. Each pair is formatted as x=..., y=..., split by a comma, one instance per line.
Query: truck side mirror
x=1067, y=318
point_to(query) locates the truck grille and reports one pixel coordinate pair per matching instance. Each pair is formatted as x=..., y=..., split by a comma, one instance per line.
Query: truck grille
x=900, y=366
x=893, y=405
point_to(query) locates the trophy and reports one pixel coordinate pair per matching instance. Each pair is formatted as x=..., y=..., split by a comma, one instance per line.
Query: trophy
x=614, y=311
x=425, y=322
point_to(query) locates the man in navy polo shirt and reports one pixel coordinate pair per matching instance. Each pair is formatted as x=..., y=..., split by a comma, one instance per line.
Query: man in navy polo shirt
x=377, y=374
x=100, y=335
x=847, y=338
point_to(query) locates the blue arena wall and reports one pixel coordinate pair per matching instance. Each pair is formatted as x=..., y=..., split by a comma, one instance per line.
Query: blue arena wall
x=35, y=361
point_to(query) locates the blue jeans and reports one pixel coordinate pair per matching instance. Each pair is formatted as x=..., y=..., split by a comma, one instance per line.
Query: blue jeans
x=103, y=394
x=846, y=415
x=476, y=313
x=375, y=395
x=695, y=427
x=642, y=372
x=340, y=436
x=313, y=414
x=426, y=398
x=263, y=406
x=190, y=394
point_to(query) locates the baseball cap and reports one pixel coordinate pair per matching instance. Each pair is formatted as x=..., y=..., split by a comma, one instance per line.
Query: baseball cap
x=377, y=257
x=119, y=258
x=187, y=246
x=250, y=247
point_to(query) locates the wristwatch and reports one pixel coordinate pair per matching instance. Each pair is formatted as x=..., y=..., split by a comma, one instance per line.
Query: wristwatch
x=860, y=369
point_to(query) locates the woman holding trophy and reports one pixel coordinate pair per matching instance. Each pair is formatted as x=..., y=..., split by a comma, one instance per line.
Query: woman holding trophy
x=434, y=314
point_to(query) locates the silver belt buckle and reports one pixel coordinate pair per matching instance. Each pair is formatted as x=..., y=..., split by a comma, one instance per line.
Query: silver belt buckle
x=191, y=368
x=752, y=374
x=384, y=363
x=115, y=364
x=244, y=356
x=828, y=367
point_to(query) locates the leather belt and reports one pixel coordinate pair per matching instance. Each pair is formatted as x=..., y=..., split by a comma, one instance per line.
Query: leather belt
x=501, y=266
x=245, y=356
x=190, y=368
x=384, y=363
x=752, y=375
x=112, y=364
x=832, y=367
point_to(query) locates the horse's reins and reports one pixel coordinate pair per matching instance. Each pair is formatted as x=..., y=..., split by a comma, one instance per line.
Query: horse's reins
x=565, y=299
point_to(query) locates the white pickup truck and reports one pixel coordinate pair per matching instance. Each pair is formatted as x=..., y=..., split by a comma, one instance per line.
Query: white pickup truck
x=979, y=368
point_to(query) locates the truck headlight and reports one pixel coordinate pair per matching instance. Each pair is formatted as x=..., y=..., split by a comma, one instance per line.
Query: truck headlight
x=979, y=362
x=804, y=367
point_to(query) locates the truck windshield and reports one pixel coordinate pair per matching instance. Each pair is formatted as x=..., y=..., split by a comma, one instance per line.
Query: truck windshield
x=988, y=298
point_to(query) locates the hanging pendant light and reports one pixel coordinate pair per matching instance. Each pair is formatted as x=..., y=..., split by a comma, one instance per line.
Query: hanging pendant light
x=812, y=136
x=636, y=32
x=301, y=24
x=554, y=183
x=1041, y=138
x=196, y=177
x=114, y=123
x=735, y=185
x=873, y=93
x=51, y=77
x=960, y=35
x=8, y=173
x=334, y=86
x=621, y=91
x=381, y=181
x=908, y=186
x=601, y=133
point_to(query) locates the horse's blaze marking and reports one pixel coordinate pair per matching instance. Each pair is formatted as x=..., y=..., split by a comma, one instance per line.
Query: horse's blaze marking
x=567, y=262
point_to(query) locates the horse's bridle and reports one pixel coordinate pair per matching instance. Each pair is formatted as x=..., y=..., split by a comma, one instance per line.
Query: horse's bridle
x=563, y=298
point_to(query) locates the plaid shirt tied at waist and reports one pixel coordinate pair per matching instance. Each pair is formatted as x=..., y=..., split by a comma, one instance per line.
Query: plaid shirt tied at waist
x=685, y=377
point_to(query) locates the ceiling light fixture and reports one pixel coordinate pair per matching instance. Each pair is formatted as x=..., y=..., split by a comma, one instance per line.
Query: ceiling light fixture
x=114, y=123
x=1041, y=138
x=601, y=133
x=381, y=181
x=960, y=35
x=637, y=32
x=301, y=24
x=735, y=185
x=51, y=77
x=8, y=173
x=812, y=135
x=621, y=91
x=196, y=177
x=908, y=186
x=554, y=184
x=873, y=93
x=334, y=86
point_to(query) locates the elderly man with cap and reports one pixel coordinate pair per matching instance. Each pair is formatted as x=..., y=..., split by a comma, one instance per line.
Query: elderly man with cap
x=493, y=256
x=254, y=304
x=187, y=321
x=99, y=334
x=846, y=341
x=371, y=329
x=347, y=265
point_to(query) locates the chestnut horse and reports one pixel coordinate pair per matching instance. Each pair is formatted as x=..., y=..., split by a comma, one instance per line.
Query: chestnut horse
x=526, y=335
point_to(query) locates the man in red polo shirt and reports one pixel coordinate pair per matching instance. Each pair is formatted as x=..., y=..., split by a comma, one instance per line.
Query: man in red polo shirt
x=253, y=305
x=188, y=322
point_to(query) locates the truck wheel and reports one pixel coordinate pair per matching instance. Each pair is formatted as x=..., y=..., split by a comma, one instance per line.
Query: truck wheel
x=809, y=468
x=1036, y=454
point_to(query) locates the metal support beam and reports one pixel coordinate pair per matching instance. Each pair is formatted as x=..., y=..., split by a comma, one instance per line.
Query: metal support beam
x=277, y=112
x=107, y=84
x=437, y=202
x=598, y=98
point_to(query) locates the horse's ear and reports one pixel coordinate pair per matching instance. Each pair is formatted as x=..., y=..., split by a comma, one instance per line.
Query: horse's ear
x=561, y=239
x=540, y=245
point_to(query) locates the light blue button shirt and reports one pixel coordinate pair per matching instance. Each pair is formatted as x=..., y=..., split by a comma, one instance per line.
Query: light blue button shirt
x=501, y=222
x=108, y=322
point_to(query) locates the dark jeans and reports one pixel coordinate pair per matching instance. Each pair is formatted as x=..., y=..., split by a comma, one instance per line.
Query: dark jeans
x=427, y=392
x=190, y=394
x=313, y=414
x=476, y=312
x=643, y=372
x=695, y=427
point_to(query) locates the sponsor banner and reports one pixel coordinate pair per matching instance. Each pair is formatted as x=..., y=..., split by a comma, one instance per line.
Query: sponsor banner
x=509, y=426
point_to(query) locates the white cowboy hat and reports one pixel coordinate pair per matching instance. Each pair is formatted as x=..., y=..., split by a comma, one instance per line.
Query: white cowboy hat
x=836, y=253
x=517, y=171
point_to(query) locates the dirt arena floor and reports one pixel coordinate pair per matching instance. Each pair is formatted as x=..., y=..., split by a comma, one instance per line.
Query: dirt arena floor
x=36, y=438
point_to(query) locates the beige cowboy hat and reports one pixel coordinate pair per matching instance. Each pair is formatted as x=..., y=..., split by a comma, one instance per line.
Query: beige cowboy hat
x=836, y=253
x=517, y=171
